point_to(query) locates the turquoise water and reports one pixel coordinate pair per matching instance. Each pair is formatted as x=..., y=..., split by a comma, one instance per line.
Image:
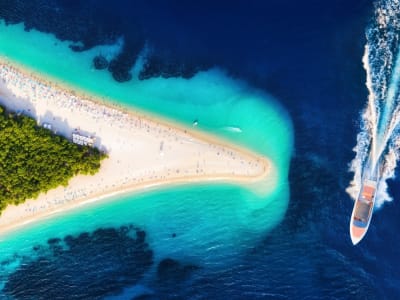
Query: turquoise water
x=214, y=223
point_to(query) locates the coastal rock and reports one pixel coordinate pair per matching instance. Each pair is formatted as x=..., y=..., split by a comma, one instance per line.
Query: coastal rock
x=100, y=62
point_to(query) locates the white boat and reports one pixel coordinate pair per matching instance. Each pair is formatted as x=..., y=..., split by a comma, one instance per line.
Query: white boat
x=232, y=129
x=364, y=205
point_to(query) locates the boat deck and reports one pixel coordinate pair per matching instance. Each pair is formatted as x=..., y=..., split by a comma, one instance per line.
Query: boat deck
x=362, y=211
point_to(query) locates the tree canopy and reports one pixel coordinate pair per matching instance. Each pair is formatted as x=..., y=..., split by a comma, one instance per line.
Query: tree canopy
x=34, y=159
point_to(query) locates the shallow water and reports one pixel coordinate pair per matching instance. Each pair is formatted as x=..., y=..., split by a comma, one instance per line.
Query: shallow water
x=207, y=226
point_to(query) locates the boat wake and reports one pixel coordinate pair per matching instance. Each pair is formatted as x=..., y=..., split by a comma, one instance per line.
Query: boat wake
x=379, y=136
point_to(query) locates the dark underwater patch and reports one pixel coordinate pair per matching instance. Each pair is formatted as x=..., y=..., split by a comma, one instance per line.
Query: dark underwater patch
x=91, y=23
x=88, y=266
x=172, y=271
x=100, y=62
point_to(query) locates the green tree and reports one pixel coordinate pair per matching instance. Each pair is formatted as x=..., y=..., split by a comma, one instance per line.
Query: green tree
x=34, y=160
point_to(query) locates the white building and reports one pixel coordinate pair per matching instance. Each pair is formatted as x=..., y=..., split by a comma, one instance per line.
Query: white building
x=83, y=139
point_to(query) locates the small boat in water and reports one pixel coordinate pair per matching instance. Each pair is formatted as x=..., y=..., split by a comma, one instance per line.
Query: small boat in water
x=232, y=129
x=364, y=205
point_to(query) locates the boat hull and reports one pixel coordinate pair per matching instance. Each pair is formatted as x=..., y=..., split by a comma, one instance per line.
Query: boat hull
x=363, y=207
x=357, y=233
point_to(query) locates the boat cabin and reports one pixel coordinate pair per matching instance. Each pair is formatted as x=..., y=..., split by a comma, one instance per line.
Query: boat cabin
x=365, y=204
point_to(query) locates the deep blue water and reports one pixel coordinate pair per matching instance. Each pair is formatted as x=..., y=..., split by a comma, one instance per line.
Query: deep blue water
x=308, y=55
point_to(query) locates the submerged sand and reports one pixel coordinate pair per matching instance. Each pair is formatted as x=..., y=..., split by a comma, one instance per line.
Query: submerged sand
x=144, y=151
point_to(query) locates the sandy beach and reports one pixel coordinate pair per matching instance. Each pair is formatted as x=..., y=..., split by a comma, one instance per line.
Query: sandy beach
x=144, y=151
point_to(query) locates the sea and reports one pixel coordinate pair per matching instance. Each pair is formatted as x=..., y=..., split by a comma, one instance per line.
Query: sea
x=283, y=78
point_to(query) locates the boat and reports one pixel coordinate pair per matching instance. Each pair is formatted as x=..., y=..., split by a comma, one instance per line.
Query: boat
x=235, y=129
x=364, y=205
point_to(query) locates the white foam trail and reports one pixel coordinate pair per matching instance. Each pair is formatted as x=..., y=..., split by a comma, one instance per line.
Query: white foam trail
x=379, y=137
x=370, y=115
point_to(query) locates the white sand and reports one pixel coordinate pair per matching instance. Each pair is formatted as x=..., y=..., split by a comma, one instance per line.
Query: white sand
x=143, y=151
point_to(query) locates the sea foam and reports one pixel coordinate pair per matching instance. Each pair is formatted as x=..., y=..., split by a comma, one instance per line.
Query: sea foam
x=380, y=135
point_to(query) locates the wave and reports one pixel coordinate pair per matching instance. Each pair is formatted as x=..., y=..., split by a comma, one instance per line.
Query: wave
x=379, y=136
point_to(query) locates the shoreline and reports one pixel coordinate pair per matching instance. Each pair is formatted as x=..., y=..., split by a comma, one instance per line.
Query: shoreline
x=133, y=190
x=126, y=109
x=161, y=142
